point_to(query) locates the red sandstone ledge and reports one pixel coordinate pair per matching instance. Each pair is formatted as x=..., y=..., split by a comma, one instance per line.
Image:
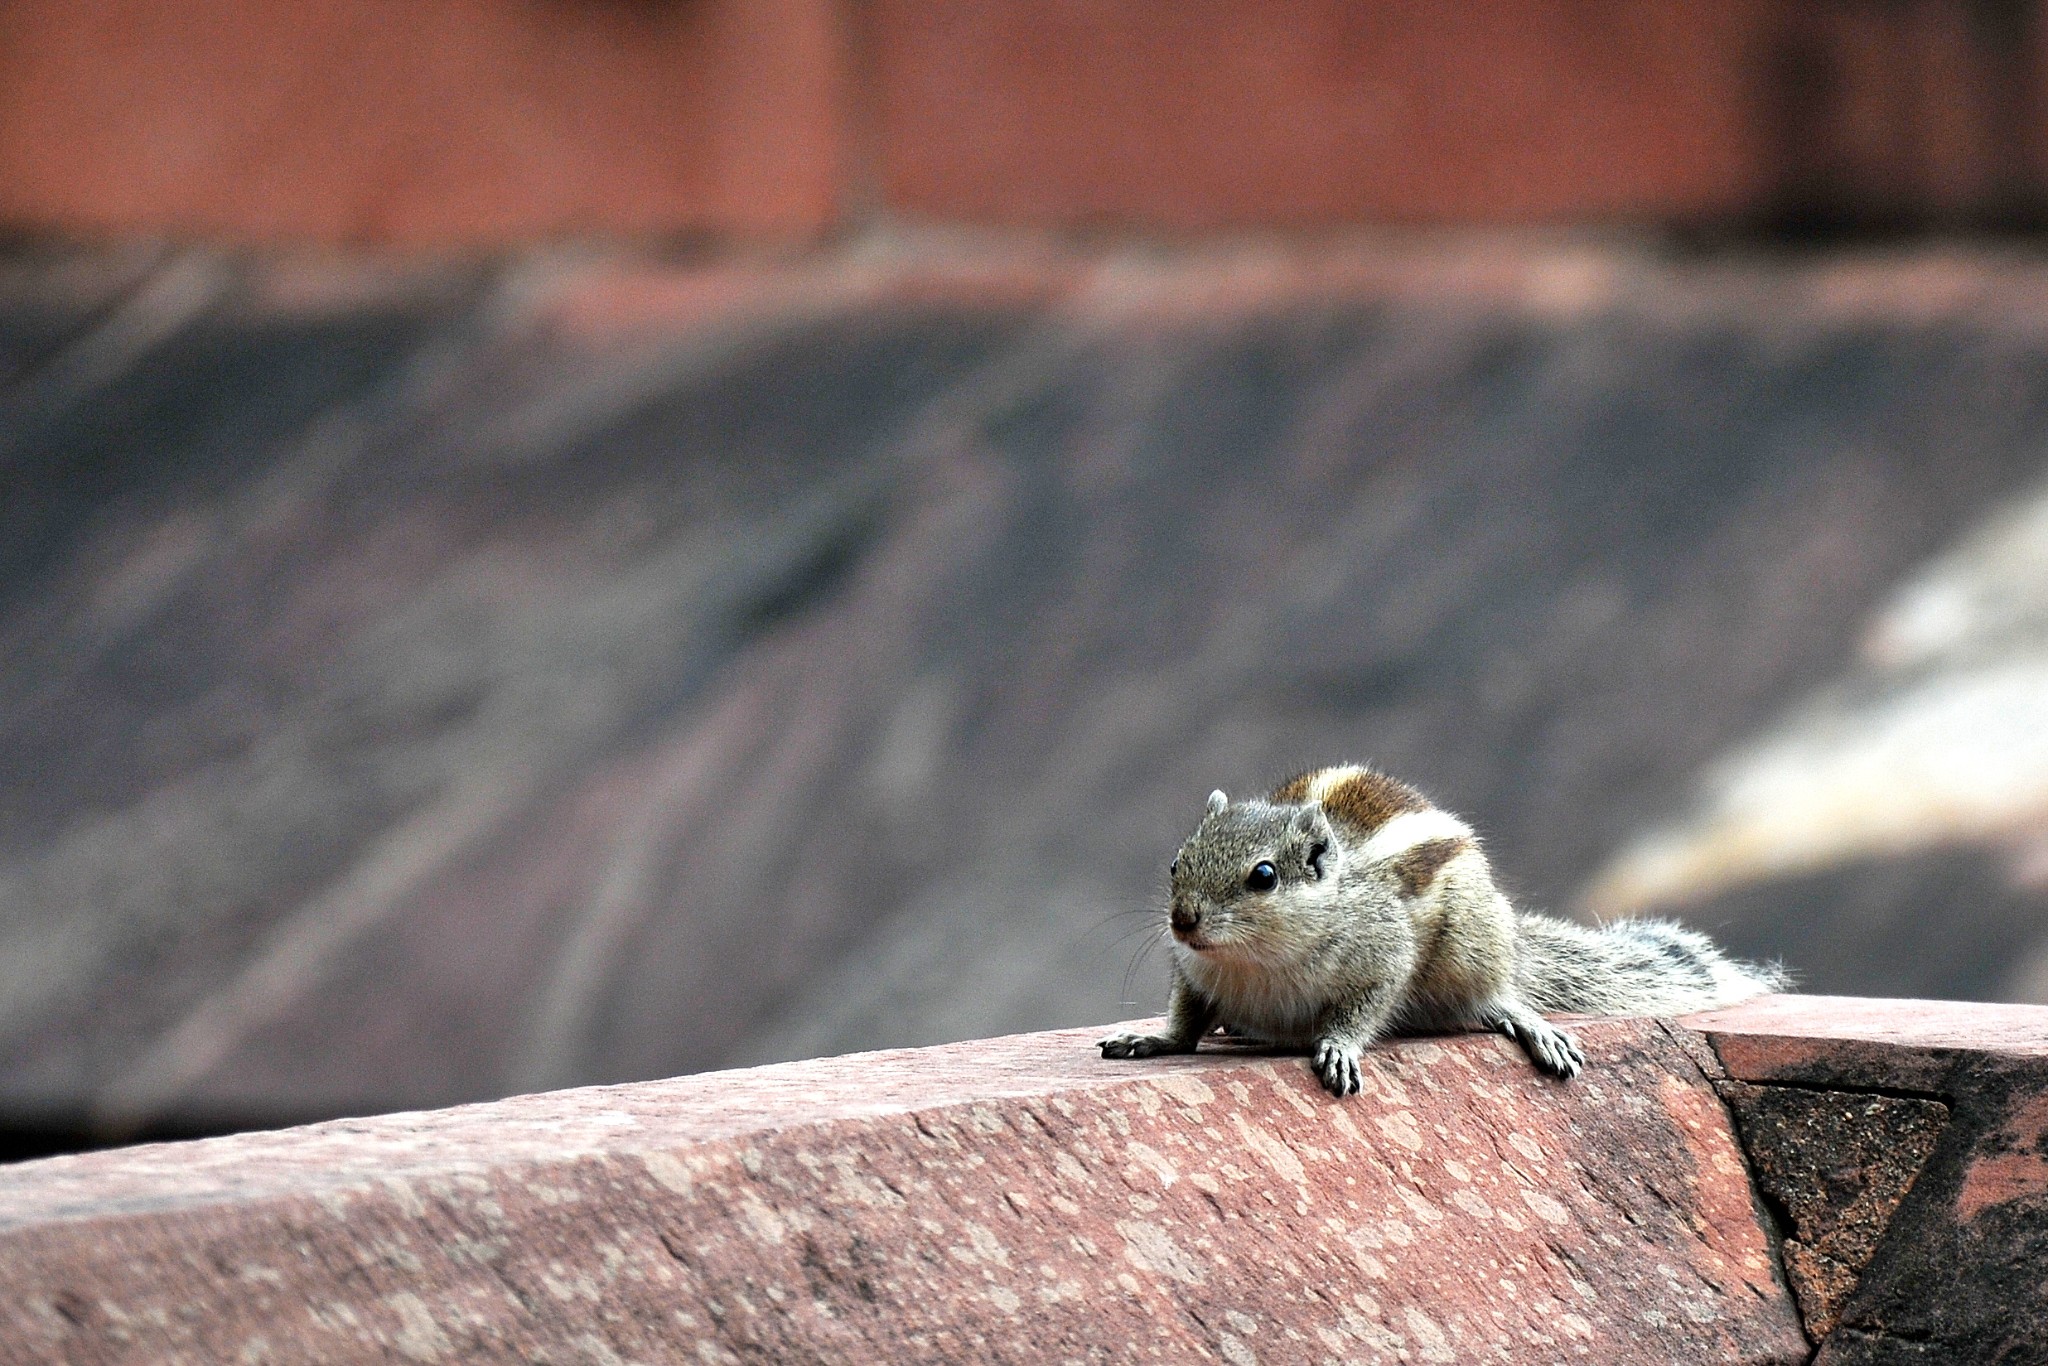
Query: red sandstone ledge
x=1023, y=1200
x=1875, y=1044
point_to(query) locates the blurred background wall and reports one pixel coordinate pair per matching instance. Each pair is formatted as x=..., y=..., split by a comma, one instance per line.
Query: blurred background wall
x=491, y=123
x=557, y=541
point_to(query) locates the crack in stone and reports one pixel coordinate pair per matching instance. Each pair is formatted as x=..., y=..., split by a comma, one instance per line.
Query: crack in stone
x=1831, y=1168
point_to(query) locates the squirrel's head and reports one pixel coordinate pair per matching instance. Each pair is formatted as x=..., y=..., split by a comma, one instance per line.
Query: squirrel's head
x=1241, y=880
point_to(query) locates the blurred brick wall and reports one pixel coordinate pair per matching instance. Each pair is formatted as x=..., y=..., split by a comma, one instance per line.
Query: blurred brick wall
x=486, y=121
x=434, y=121
x=1209, y=112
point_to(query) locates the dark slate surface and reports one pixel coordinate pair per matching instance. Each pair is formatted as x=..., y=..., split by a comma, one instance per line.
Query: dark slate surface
x=421, y=685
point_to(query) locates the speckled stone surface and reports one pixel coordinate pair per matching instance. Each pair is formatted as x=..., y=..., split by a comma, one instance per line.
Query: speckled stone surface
x=1017, y=1199
x=1835, y=1165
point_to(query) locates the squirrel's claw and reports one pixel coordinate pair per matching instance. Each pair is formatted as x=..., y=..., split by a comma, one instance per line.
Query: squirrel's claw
x=1554, y=1051
x=1137, y=1046
x=1337, y=1067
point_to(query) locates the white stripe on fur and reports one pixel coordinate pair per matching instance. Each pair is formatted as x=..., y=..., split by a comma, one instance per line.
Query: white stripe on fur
x=1320, y=785
x=1409, y=829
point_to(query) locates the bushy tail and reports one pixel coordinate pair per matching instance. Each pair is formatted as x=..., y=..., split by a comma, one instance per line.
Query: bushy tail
x=1631, y=967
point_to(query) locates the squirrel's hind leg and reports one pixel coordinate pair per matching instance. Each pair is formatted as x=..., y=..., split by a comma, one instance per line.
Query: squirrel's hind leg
x=1552, y=1050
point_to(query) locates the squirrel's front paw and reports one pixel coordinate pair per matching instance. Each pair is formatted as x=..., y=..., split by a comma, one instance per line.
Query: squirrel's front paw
x=1554, y=1051
x=1137, y=1046
x=1337, y=1065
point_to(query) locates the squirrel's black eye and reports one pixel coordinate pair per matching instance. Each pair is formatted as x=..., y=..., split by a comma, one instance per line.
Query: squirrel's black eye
x=1173, y=868
x=1262, y=878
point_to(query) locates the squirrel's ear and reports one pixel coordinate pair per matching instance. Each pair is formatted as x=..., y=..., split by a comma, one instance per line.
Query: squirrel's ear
x=1310, y=825
x=1217, y=801
x=1309, y=831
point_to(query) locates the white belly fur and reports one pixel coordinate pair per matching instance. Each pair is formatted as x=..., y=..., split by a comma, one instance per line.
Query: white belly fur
x=1254, y=1001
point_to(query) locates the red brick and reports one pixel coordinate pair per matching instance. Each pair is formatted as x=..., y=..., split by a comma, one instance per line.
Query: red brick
x=1207, y=113
x=438, y=122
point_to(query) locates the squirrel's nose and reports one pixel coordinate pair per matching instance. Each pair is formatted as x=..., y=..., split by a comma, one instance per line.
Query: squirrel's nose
x=1185, y=916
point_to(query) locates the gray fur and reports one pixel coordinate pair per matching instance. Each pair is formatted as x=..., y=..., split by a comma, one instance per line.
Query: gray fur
x=1337, y=954
x=1630, y=967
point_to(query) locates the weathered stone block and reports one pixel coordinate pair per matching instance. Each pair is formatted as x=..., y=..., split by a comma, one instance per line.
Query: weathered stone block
x=1010, y=1200
x=1954, y=1274
x=1837, y=1164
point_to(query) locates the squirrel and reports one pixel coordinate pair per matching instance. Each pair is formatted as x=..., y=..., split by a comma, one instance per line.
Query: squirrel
x=1345, y=907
